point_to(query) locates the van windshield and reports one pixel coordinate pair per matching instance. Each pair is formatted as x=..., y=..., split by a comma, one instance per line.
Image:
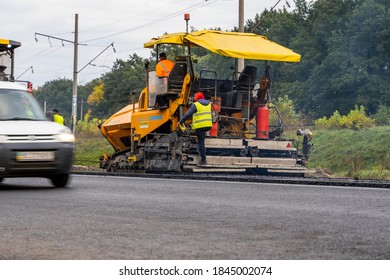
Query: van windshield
x=19, y=105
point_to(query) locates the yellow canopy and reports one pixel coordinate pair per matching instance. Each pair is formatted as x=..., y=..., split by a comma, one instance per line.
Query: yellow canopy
x=231, y=44
x=173, y=38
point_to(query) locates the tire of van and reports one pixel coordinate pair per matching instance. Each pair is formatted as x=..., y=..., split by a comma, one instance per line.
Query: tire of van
x=1, y=179
x=60, y=181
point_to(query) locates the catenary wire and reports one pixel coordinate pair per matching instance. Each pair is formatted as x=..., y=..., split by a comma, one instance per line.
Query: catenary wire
x=175, y=14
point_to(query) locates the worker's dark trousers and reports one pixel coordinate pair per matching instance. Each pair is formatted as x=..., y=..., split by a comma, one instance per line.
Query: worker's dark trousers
x=201, y=134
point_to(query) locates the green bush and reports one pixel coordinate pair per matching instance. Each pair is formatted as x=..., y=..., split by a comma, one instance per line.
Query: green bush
x=333, y=122
x=382, y=116
x=356, y=120
x=291, y=119
x=89, y=126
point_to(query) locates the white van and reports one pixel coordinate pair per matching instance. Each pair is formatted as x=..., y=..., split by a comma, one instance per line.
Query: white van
x=30, y=144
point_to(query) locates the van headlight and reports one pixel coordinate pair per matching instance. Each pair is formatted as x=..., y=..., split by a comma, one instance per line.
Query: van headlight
x=66, y=136
x=3, y=138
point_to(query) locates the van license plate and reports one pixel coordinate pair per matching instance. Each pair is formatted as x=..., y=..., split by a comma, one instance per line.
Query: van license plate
x=35, y=156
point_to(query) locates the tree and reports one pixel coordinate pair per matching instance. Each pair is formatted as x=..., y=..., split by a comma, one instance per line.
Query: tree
x=126, y=77
x=355, y=69
x=97, y=95
x=345, y=54
x=57, y=94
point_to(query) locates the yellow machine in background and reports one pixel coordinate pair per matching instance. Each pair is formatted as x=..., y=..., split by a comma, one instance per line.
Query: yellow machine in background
x=7, y=48
x=144, y=134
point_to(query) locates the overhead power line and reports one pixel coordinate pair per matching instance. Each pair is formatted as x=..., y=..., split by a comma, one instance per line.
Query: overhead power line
x=175, y=14
x=45, y=52
x=129, y=18
x=89, y=63
x=32, y=71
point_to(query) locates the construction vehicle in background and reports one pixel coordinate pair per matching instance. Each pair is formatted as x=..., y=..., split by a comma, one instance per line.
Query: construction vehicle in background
x=145, y=135
x=7, y=50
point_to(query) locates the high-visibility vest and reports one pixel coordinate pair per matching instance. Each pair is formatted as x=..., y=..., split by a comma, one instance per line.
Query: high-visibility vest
x=202, y=117
x=164, y=67
x=59, y=119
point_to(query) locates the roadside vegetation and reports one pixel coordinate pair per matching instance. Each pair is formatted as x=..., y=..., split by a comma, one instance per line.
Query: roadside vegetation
x=359, y=154
x=354, y=145
x=90, y=143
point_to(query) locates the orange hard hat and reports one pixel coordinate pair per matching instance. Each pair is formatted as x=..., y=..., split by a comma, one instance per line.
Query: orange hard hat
x=199, y=95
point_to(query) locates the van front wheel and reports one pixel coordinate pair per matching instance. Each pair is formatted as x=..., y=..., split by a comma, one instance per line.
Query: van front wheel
x=60, y=181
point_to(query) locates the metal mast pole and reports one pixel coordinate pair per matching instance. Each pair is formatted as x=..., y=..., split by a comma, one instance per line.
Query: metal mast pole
x=240, y=61
x=75, y=59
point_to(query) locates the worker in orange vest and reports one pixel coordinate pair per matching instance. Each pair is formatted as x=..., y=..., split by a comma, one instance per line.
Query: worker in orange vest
x=164, y=66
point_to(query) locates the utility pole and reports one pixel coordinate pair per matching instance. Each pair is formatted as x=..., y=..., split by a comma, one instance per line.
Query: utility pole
x=240, y=61
x=75, y=59
x=75, y=72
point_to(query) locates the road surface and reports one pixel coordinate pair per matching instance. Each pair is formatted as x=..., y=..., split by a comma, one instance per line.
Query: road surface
x=99, y=217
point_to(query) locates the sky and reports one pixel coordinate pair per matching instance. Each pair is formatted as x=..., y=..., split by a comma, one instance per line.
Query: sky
x=126, y=24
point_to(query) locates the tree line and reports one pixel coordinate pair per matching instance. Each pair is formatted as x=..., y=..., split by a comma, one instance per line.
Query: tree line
x=345, y=62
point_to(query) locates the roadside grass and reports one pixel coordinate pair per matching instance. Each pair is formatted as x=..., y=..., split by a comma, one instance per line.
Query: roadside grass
x=89, y=147
x=360, y=154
